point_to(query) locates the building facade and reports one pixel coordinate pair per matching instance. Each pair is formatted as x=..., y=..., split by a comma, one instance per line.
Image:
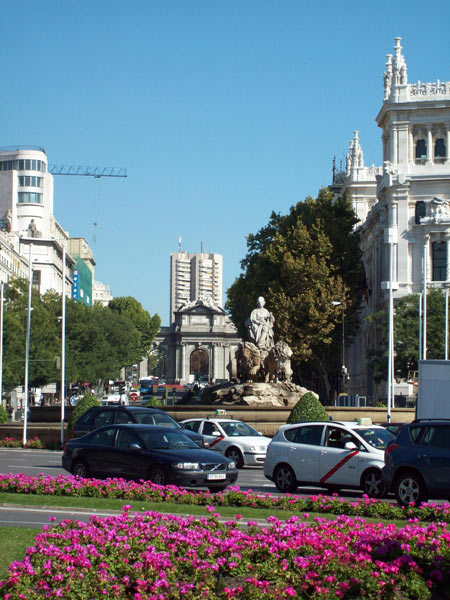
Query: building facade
x=198, y=343
x=102, y=293
x=193, y=276
x=26, y=210
x=30, y=230
x=403, y=206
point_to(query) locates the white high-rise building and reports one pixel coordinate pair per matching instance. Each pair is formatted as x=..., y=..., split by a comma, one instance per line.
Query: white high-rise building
x=26, y=214
x=194, y=276
x=403, y=206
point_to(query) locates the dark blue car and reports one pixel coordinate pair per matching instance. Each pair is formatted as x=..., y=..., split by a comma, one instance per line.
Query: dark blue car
x=163, y=455
x=417, y=462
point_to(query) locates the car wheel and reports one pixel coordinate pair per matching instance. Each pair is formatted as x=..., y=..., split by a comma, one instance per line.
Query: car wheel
x=235, y=455
x=284, y=478
x=81, y=469
x=217, y=488
x=410, y=487
x=158, y=476
x=372, y=485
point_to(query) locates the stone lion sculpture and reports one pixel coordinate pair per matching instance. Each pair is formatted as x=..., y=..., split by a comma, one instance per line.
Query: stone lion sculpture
x=248, y=361
x=277, y=364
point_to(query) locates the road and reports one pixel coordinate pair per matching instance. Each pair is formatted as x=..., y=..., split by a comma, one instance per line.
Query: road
x=33, y=462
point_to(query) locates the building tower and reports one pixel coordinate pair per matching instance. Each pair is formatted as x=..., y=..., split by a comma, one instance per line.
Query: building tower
x=404, y=206
x=194, y=276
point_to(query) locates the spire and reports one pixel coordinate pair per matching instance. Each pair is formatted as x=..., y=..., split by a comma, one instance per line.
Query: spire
x=396, y=74
x=400, y=71
x=355, y=157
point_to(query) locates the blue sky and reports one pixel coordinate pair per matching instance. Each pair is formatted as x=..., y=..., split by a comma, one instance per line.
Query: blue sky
x=220, y=111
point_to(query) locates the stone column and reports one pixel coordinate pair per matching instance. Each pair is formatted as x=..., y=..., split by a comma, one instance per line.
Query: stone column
x=429, y=145
x=394, y=145
x=447, y=146
x=183, y=362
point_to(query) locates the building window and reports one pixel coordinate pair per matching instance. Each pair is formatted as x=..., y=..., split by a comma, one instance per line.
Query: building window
x=439, y=150
x=30, y=198
x=421, y=150
x=439, y=258
x=37, y=281
x=30, y=181
x=23, y=165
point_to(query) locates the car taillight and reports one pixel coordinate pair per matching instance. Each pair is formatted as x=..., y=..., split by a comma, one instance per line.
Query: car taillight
x=389, y=449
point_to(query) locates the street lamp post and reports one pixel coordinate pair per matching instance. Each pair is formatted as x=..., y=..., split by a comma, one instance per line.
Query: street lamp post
x=344, y=369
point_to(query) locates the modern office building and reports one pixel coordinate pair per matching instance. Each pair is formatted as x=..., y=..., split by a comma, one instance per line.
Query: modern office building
x=30, y=229
x=194, y=276
x=403, y=205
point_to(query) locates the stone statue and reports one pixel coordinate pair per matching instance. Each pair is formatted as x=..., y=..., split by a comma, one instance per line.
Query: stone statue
x=260, y=326
x=33, y=230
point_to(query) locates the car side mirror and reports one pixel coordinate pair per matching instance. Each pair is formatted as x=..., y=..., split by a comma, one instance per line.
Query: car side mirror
x=215, y=434
x=259, y=432
x=135, y=446
x=350, y=446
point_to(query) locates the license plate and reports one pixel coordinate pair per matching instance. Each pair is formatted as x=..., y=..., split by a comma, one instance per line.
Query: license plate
x=216, y=476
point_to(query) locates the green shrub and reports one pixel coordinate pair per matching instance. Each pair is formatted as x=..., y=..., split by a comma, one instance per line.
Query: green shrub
x=3, y=415
x=308, y=408
x=82, y=406
x=154, y=401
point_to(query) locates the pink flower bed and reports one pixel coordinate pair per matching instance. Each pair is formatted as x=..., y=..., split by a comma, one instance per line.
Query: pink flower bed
x=65, y=485
x=151, y=556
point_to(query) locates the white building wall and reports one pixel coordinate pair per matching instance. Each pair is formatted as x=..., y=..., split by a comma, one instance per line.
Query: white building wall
x=386, y=198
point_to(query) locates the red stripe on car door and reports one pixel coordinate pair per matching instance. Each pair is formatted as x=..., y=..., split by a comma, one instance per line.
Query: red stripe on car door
x=338, y=466
x=219, y=439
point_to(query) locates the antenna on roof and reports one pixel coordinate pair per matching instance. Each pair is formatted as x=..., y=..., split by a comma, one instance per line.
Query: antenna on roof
x=179, y=244
x=201, y=247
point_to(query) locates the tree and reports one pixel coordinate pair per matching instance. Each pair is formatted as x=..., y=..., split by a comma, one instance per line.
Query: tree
x=301, y=263
x=146, y=325
x=406, y=335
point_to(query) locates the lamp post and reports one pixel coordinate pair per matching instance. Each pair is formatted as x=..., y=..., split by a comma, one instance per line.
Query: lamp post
x=344, y=369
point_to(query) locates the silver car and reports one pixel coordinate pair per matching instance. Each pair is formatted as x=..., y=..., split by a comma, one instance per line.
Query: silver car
x=235, y=439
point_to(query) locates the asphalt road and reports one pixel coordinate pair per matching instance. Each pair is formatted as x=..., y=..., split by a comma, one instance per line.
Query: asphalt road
x=33, y=462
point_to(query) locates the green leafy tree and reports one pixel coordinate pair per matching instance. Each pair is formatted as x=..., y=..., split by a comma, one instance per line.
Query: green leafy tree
x=308, y=408
x=83, y=405
x=146, y=325
x=406, y=335
x=301, y=263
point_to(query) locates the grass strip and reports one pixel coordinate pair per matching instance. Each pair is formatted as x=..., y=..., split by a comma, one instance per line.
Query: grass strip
x=13, y=543
x=105, y=504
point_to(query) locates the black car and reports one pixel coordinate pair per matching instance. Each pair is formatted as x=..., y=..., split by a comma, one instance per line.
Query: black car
x=163, y=455
x=97, y=416
x=417, y=462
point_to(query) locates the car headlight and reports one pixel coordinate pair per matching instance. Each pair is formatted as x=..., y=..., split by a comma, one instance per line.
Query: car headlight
x=231, y=465
x=186, y=466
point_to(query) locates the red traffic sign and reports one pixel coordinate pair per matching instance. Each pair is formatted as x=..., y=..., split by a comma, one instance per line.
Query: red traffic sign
x=133, y=396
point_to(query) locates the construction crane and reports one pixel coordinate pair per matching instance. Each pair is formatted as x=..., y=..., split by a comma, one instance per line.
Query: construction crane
x=88, y=171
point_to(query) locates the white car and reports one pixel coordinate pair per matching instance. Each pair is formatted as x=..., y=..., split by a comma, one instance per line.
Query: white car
x=235, y=439
x=115, y=400
x=328, y=454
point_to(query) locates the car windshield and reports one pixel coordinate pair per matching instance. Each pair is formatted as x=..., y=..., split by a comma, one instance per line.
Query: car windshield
x=235, y=428
x=166, y=440
x=378, y=437
x=155, y=418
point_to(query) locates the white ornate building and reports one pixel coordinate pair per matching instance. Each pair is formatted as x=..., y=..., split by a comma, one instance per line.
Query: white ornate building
x=403, y=206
